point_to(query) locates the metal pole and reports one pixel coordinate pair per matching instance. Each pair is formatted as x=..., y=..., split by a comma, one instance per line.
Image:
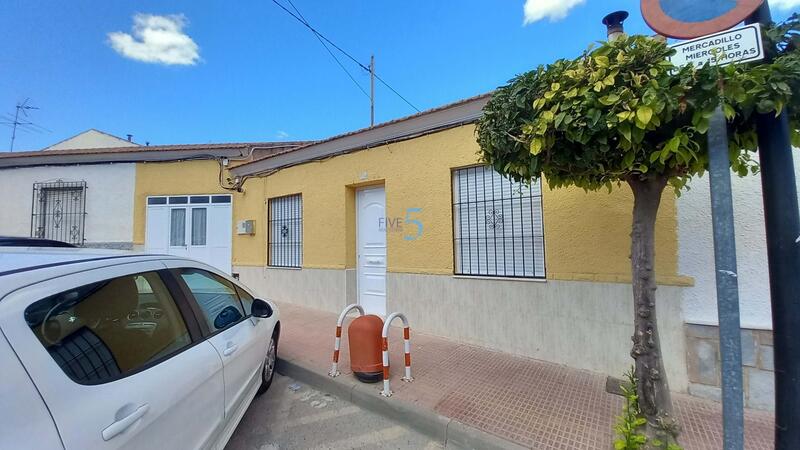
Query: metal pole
x=783, y=254
x=372, y=91
x=730, y=344
x=14, y=129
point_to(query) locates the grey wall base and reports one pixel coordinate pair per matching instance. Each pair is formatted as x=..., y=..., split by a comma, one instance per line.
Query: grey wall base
x=703, y=362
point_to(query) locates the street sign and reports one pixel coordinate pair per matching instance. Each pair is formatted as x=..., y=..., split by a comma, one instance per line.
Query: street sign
x=735, y=46
x=687, y=19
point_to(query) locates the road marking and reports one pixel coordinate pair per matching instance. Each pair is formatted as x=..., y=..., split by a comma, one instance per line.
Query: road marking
x=366, y=439
x=332, y=414
x=314, y=418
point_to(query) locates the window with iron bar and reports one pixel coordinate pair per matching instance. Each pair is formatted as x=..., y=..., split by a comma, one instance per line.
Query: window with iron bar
x=498, y=229
x=285, y=242
x=58, y=211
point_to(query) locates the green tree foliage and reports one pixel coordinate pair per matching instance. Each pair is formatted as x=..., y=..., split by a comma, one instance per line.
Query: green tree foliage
x=630, y=424
x=623, y=109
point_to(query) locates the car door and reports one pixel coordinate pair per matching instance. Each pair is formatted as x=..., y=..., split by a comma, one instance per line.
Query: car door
x=118, y=358
x=239, y=339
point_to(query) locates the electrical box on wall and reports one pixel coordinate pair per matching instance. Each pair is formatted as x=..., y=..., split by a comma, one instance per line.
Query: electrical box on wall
x=246, y=227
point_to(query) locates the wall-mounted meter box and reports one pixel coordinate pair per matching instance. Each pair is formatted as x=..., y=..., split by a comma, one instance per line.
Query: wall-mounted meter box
x=246, y=227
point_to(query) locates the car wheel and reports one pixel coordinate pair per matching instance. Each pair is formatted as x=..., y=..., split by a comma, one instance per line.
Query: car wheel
x=268, y=371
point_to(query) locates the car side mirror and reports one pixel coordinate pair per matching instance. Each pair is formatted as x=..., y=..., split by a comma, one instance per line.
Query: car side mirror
x=261, y=309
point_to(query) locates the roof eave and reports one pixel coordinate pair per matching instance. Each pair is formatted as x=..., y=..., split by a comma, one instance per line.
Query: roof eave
x=47, y=159
x=461, y=113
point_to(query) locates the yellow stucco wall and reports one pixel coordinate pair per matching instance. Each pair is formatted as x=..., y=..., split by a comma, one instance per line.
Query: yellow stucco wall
x=201, y=177
x=587, y=235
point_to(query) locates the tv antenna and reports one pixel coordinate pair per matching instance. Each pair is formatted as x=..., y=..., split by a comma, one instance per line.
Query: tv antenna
x=24, y=124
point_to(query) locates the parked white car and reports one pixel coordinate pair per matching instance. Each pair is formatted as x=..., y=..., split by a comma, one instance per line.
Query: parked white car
x=111, y=350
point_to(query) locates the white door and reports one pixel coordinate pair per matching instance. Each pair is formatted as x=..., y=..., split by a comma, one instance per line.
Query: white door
x=240, y=342
x=179, y=228
x=194, y=226
x=371, y=250
x=114, y=360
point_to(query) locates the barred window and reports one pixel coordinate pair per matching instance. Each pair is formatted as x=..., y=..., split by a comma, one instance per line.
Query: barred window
x=497, y=225
x=59, y=211
x=286, y=231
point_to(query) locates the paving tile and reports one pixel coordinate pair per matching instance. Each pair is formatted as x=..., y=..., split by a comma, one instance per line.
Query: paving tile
x=534, y=403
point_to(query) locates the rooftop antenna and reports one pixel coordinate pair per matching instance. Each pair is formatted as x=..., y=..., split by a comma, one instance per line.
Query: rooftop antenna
x=15, y=122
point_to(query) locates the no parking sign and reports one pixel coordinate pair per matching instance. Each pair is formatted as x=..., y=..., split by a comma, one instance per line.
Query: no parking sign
x=687, y=19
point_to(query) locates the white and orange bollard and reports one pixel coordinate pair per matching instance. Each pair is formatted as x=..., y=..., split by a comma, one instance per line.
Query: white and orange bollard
x=387, y=392
x=338, y=342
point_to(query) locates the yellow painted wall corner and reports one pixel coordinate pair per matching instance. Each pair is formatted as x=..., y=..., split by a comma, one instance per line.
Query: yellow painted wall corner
x=202, y=177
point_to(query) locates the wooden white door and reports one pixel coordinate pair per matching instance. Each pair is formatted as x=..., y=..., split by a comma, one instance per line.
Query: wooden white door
x=371, y=249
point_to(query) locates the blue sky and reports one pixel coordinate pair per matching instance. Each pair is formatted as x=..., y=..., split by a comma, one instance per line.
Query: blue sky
x=255, y=74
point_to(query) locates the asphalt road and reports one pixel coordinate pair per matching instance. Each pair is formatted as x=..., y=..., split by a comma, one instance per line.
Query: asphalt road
x=293, y=416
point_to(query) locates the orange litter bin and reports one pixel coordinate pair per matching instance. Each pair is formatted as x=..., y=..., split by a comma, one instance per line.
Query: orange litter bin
x=364, y=335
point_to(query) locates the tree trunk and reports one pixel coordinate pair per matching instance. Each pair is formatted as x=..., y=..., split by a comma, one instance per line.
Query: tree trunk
x=653, y=390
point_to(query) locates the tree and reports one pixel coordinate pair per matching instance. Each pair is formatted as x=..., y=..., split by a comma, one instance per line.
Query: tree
x=624, y=114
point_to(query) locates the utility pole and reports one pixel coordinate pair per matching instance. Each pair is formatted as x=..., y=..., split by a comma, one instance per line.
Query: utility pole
x=372, y=91
x=783, y=255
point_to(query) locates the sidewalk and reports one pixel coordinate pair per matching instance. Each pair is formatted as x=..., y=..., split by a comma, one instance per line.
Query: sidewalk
x=533, y=403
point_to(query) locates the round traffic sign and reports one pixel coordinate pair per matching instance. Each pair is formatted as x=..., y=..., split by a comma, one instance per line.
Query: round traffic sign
x=686, y=19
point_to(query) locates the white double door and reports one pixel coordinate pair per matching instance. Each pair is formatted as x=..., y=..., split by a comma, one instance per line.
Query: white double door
x=195, y=229
x=371, y=249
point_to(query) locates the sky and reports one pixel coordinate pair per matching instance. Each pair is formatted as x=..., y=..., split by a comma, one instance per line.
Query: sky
x=200, y=71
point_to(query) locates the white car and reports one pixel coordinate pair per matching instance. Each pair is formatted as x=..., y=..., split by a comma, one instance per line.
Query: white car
x=111, y=350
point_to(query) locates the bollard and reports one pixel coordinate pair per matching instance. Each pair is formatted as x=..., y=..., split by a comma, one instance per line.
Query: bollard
x=338, y=341
x=387, y=392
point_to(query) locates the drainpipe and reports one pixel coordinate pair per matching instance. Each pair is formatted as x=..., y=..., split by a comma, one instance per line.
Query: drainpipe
x=613, y=23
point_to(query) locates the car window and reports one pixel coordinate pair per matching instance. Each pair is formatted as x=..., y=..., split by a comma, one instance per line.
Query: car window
x=247, y=300
x=216, y=297
x=102, y=331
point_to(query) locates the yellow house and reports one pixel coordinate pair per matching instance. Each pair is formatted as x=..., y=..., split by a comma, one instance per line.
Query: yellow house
x=398, y=217
x=403, y=217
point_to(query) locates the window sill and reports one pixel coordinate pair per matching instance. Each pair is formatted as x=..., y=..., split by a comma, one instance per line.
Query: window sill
x=479, y=277
x=284, y=268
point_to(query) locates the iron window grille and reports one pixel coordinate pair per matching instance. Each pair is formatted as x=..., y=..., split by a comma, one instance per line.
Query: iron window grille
x=498, y=229
x=58, y=211
x=286, y=231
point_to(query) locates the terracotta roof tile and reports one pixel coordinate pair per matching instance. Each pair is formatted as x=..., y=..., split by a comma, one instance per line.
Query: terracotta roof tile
x=380, y=125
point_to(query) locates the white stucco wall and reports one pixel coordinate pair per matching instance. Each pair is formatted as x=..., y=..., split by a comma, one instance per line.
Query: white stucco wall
x=696, y=251
x=109, y=199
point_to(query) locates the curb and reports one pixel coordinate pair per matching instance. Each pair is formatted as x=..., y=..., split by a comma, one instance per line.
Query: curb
x=449, y=432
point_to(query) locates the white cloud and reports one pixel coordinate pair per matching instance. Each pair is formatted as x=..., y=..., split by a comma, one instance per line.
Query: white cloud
x=536, y=10
x=282, y=134
x=156, y=39
x=784, y=4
